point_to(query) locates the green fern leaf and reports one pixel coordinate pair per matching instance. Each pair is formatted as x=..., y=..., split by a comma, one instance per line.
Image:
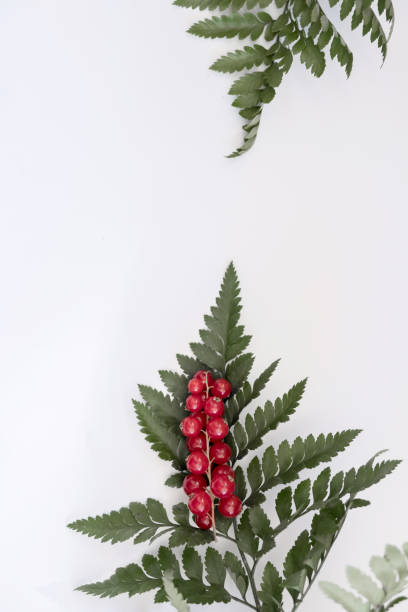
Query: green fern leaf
x=242, y=59
x=229, y=26
x=131, y=580
x=117, y=526
x=176, y=384
x=267, y=420
x=246, y=538
x=163, y=406
x=285, y=466
x=271, y=588
x=169, y=445
x=236, y=570
x=189, y=365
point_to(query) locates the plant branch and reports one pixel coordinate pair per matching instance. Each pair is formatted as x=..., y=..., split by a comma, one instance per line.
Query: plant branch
x=248, y=571
x=242, y=601
x=326, y=554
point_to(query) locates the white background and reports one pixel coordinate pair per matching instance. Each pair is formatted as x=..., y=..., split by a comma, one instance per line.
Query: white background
x=119, y=214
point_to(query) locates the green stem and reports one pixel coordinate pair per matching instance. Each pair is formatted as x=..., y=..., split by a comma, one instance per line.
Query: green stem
x=245, y=603
x=340, y=527
x=248, y=571
x=226, y=537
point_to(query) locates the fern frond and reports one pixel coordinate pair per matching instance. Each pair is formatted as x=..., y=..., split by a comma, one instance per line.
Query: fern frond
x=169, y=445
x=242, y=59
x=267, y=419
x=224, y=338
x=245, y=25
x=303, y=28
x=222, y=5
x=143, y=522
x=247, y=393
x=284, y=466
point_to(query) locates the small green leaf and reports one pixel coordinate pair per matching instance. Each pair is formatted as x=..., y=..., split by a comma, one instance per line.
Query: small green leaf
x=176, y=480
x=168, y=562
x=320, y=486
x=236, y=570
x=271, y=587
x=192, y=564
x=214, y=566
x=254, y=474
x=302, y=495
x=248, y=542
x=283, y=504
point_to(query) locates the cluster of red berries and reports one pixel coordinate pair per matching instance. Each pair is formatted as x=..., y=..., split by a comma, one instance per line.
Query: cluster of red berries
x=205, y=431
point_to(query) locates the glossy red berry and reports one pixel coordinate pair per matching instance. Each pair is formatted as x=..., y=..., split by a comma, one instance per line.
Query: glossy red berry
x=196, y=386
x=190, y=426
x=193, y=483
x=221, y=388
x=217, y=429
x=197, y=442
x=202, y=418
x=200, y=503
x=197, y=462
x=214, y=407
x=205, y=377
x=195, y=403
x=220, y=452
x=222, y=486
x=203, y=521
x=225, y=470
x=230, y=506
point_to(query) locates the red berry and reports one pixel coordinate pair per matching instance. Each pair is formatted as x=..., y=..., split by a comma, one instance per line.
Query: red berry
x=224, y=470
x=217, y=429
x=214, y=407
x=222, y=486
x=193, y=483
x=197, y=462
x=195, y=403
x=197, y=443
x=196, y=386
x=221, y=388
x=200, y=503
x=205, y=377
x=230, y=506
x=190, y=426
x=203, y=521
x=202, y=418
x=220, y=452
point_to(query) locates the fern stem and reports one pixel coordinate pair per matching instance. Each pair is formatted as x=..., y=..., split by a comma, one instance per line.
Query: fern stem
x=326, y=554
x=242, y=601
x=248, y=571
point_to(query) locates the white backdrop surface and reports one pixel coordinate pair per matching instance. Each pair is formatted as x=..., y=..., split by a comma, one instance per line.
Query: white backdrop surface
x=118, y=216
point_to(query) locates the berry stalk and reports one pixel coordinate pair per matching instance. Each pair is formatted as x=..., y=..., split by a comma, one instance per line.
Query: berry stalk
x=207, y=437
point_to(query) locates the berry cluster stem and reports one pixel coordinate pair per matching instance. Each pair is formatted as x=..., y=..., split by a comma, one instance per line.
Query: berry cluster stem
x=209, y=468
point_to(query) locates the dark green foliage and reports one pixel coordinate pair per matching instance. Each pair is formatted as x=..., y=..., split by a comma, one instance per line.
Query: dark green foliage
x=169, y=444
x=134, y=579
x=191, y=576
x=301, y=28
x=266, y=420
x=143, y=522
x=284, y=465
